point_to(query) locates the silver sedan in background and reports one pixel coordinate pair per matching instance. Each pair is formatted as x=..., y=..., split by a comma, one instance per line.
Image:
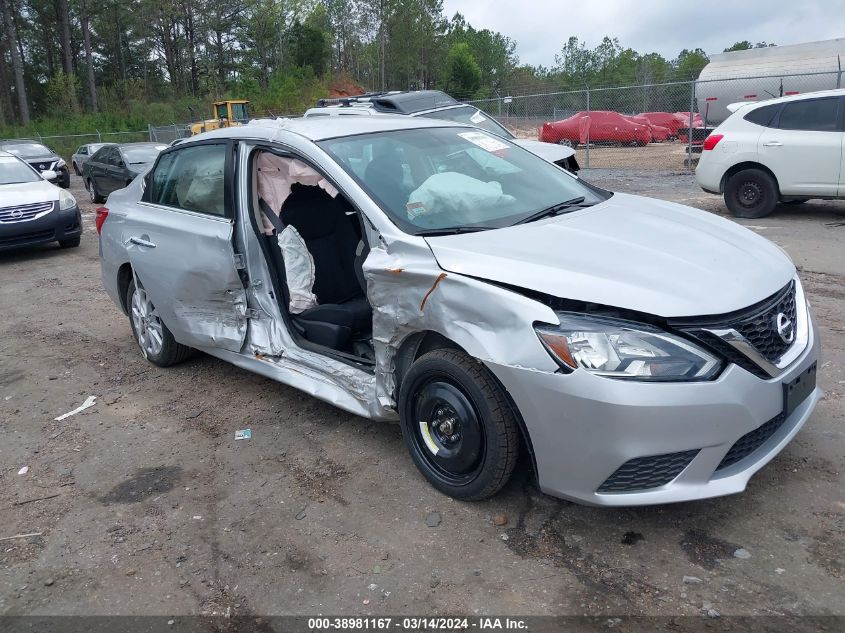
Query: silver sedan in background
x=82, y=154
x=639, y=351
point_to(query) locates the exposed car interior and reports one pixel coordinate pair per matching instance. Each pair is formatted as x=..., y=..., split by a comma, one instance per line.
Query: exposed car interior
x=289, y=193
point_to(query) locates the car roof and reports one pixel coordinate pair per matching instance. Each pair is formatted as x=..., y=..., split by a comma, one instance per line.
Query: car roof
x=398, y=102
x=138, y=144
x=837, y=92
x=323, y=127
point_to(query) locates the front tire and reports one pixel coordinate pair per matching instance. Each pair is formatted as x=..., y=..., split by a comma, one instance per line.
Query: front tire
x=751, y=193
x=155, y=340
x=458, y=425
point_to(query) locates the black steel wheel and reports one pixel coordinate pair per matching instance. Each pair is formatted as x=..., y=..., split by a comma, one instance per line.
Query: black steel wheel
x=458, y=425
x=751, y=193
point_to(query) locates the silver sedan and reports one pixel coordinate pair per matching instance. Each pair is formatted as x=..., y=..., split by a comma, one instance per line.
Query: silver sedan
x=639, y=351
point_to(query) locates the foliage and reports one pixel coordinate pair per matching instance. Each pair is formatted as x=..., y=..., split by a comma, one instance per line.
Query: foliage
x=153, y=62
x=463, y=74
x=745, y=45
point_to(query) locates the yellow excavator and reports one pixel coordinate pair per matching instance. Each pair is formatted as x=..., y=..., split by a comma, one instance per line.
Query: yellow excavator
x=226, y=114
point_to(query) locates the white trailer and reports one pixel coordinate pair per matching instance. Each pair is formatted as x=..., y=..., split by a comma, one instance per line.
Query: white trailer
x=765, y=73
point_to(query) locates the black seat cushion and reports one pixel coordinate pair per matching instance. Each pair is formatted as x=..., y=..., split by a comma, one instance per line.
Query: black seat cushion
x=355, y=314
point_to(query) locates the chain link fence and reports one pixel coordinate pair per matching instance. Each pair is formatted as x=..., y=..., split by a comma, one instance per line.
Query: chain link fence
x=627, y=127
x=645, y=126
x=169, y=133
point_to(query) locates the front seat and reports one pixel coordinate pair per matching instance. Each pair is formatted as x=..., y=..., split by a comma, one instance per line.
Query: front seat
x=332, y=240
x=384, y=176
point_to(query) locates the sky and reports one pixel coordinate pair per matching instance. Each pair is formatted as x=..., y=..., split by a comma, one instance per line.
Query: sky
x=541, y=27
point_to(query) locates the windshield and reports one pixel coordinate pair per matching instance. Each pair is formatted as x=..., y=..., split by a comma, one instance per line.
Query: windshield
x=441, y=178
x=13, y=171
x=470, y=116
x=143, y=154
x=239, y=112
x=27, y=150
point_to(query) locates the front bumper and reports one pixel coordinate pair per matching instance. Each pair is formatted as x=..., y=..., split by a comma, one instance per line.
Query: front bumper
x=583, y=428
x=55, y=226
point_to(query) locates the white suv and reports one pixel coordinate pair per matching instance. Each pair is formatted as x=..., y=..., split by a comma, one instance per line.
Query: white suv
x=782, y=150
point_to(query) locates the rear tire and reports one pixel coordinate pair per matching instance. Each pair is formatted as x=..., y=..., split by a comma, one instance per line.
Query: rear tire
x=751, y=193
x=155, y=340
x=458, y=425
x=95, y=196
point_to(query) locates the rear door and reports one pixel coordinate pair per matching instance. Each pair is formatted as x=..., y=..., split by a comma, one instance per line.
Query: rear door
x=179, y=241
x=804, y=147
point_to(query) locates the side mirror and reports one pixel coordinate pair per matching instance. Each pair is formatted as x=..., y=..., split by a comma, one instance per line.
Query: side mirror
x=49, y=174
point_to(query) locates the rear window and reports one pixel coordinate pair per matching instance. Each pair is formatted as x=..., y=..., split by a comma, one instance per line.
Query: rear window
x=818, y=115
x=763, y=116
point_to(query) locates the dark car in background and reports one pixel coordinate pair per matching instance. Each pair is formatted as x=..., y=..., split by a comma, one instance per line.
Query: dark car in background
x=40, y=157
x=112, y=167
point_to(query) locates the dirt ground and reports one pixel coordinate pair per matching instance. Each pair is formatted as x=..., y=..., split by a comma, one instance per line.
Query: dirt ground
x=151, y=507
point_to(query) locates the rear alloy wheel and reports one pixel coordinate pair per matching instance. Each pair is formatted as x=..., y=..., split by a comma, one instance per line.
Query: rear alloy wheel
x=95, y=196
x=751, y=193
x=458, y=425
x=155, y=340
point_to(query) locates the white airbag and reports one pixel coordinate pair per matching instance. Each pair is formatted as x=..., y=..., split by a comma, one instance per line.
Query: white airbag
x=455, y=199
x=299, y=270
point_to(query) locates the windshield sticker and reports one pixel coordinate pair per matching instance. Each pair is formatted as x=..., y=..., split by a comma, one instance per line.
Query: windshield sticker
x=414, y=209
x=478, y=118
x=484, y=141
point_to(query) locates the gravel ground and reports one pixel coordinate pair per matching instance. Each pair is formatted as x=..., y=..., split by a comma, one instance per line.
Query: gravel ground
x=151, y=507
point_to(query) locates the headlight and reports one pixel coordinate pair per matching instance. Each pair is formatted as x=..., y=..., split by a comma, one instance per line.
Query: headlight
x=61, y=162
x=66, y=201
x=624, y=349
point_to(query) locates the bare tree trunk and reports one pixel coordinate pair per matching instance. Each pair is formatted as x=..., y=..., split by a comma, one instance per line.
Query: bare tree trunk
x=89, y=58
x=67, y=54
x=17, y=62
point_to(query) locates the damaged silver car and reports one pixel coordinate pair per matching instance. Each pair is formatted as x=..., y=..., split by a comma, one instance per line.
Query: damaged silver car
x=638, y=351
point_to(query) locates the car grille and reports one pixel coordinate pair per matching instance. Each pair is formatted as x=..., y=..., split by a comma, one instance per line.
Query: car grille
x=642, y=473
x=757, y=324
x=24, y=212
x=38, y=236
x=761, y=329
x=751, y=441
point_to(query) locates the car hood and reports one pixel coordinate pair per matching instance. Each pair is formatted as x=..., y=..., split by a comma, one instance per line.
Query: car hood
x=139, y=168
x=47, y=158
x=551, y=152
x=630, y=252
x=27, y=193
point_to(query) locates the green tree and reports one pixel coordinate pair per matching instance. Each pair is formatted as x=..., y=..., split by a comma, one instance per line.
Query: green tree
x=463, y=74
x=689, y=63
x=745, y=45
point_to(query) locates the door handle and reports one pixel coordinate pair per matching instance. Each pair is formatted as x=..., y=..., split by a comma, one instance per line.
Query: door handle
x=140, y=242
x=773, y=144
